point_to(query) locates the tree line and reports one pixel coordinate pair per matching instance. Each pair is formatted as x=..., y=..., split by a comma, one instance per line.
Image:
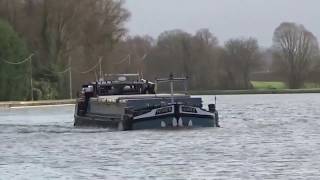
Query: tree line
x=86, y=39
x=60, y=34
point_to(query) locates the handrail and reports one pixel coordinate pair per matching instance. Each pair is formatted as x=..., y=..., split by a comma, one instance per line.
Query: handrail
x=171, y=80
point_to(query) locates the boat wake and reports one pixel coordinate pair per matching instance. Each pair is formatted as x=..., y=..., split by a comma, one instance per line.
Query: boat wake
x=47, y=129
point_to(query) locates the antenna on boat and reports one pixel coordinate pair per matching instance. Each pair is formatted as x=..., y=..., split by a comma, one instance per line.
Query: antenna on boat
x=215, y=100
x=186, y=85
x=101, y=78
x=171, y=87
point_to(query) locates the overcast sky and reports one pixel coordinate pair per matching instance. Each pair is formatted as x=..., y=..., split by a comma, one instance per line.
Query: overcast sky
x=225, y=18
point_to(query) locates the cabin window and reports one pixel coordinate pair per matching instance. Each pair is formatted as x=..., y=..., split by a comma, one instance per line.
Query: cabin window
x=189, y=109
x=164, y=110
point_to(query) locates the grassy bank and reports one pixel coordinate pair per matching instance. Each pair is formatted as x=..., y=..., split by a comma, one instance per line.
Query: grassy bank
x=280, y=85
x=262, y=87
x=255, y=91
x=268, y=85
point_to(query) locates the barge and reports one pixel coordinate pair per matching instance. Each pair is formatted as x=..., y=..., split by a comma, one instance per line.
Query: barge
x=126, y=102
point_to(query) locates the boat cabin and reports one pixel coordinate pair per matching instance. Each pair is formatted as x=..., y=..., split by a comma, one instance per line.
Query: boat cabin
x=120, y=84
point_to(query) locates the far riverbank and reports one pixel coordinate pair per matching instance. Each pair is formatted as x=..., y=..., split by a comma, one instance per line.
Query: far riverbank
x=255, y=91
x=11, y=104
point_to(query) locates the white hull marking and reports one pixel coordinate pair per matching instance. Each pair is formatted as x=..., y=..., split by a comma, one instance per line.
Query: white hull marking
x=190, y=124
x=163, y=124
x=180, y=122
x=174, y=122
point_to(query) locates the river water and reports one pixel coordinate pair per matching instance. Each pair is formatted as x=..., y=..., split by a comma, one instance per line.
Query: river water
x=262, y=137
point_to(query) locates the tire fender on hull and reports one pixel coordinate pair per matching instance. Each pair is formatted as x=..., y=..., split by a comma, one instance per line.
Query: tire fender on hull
x=125, y=124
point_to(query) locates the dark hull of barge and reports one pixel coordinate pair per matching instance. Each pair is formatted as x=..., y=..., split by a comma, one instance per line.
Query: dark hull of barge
x=153, y=123
x=167, y=117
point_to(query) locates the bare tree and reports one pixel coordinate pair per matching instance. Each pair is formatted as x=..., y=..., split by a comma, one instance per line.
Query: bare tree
x=172, y=53
x=241, y=57
x=195, y=56
x=56, y=30
x=204, y=60
x=10, y=9
x=314, y=75
x=205, y=38
x=103, y=28
x=295, y=47
x=132, y=54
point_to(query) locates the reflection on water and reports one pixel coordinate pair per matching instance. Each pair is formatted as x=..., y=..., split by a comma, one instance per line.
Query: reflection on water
x=263, y=137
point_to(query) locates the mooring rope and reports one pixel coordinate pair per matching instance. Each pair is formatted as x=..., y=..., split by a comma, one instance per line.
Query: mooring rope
x=56, y=72
x=91, y=69
x=17, y=63
x=123, y=60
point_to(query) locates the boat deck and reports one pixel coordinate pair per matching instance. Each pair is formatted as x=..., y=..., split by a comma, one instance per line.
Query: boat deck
x=125, y=98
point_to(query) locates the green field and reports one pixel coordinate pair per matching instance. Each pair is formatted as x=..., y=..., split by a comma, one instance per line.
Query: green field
x=311, y=85
x=263, y=87
x=279, y=85
x=268, y=85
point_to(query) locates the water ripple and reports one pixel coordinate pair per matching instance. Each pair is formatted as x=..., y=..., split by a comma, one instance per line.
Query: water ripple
x=262, y=137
